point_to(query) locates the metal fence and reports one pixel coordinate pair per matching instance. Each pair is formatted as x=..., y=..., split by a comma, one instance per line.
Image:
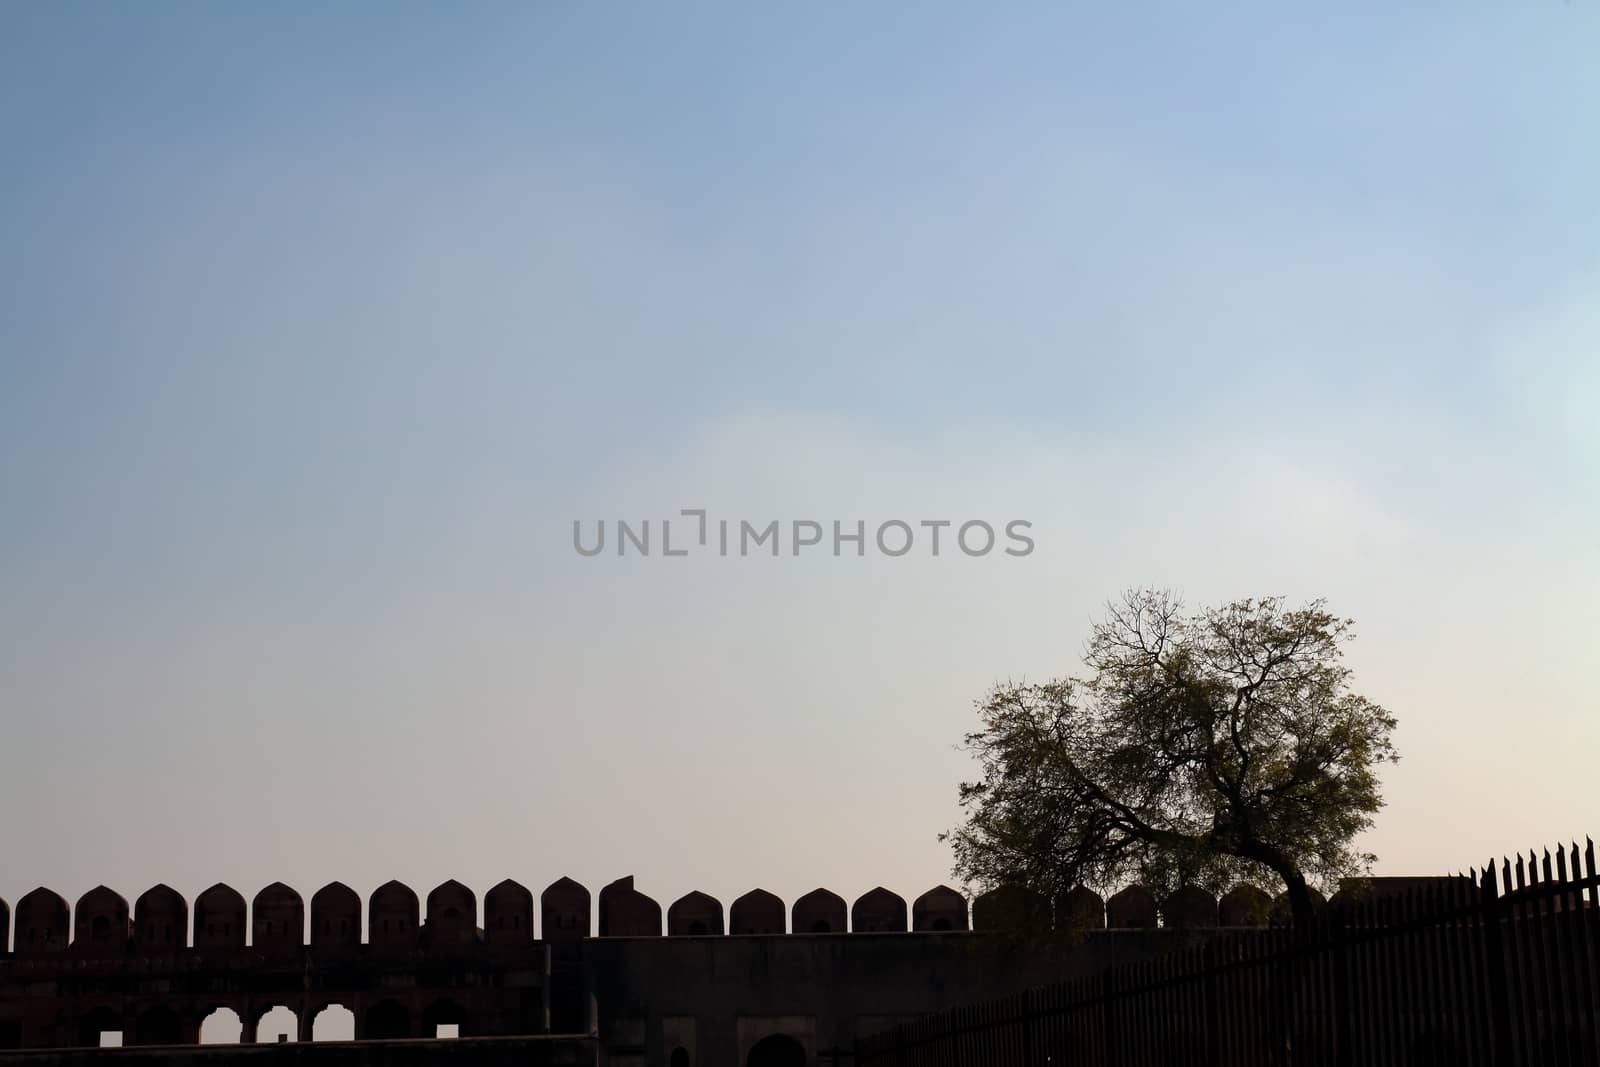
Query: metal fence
x=1494, y=967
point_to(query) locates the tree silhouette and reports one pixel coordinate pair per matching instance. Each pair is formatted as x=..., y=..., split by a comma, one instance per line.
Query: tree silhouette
x=1221, y=745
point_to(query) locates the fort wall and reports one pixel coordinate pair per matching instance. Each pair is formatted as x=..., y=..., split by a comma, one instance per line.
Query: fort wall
x=506, y=964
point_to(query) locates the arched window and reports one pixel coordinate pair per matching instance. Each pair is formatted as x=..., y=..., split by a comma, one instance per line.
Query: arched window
x=279, y=1024
x=221, y=1027
x=333, y=1023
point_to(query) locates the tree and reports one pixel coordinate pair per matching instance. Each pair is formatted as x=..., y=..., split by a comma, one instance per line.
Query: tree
x=1209, y=747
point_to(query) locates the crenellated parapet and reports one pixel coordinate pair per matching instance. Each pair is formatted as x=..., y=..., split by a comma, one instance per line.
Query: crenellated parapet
x=939, y=909
x=878, y=911
x=161, y=920
x=335, y=919
x=626, y=912
x=508, y=914
x=695, y=914
x=220, y=919
x=564, y=911
x=42, y=923
x=398, y=924
x=820, y=911
x=392, y=919
x=757, y=913
x=277, y=921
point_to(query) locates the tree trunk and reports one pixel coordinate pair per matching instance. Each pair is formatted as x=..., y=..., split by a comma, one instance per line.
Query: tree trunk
x=1300, y=904
x=1299, y=899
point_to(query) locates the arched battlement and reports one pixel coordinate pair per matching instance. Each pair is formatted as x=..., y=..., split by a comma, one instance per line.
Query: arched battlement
x=626, y=912
x=219, y=918
x=695, y=914
x=5, y=926
x=452, y=918
x=939, y=909
x=1134, y=908
x=1189, y=907
x=564, y=911
x=335, y=917
x=392, y=913
x=1282, y=913
x=161, y=920
x=757, y=912
x=820, y=911
x=100, y=923
x=277, y=920
x=87, y=1026
x=1080, y=908
x=508, y=914
x=42, y=922
x=1244, y=905
x=878, y=911
x=1010, y=907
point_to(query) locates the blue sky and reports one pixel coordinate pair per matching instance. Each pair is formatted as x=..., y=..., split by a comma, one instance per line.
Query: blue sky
x=319, y=327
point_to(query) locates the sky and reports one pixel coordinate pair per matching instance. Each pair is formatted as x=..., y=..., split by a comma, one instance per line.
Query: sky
x=320, y=326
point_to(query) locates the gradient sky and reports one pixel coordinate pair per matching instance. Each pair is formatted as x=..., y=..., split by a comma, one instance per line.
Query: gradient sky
x=320, y=325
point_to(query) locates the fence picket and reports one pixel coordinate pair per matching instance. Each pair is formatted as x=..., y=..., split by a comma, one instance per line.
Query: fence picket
x=1500, y=966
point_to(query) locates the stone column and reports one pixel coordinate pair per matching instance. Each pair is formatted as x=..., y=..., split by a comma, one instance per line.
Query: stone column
x=248, y=1017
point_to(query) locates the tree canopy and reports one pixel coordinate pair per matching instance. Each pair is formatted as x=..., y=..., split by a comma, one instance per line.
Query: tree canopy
x=1220, y=745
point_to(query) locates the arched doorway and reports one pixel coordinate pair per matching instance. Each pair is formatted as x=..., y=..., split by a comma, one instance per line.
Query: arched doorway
x=387, y=1020
x=334, y=1023
x=160, y=1026
x=221, y=1027
x=777, y=1050
x=444, y=1018
x=279, y=1024
x=101, y=1021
